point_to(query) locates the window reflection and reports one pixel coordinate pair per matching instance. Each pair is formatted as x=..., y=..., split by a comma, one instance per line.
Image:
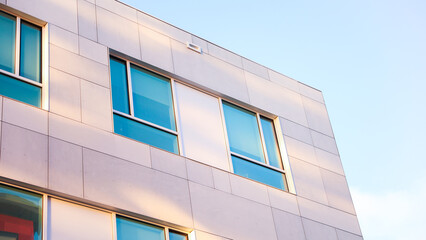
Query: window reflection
x=258, y=173
x=130, y=229
x=243, y=132
x=7, y=42
x=176, y=236
x=20, y=214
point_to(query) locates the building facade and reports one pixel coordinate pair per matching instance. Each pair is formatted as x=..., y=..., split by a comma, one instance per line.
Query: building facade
x=116, y=125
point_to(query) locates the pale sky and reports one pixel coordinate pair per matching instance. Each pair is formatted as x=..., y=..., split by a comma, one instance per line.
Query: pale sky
x=369, y=60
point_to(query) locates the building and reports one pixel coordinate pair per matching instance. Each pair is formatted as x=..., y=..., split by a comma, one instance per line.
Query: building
x=116, y=125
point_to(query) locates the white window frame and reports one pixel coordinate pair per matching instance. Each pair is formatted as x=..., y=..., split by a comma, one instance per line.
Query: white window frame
x=285, y=170
x=44, y=86
x=131, y=107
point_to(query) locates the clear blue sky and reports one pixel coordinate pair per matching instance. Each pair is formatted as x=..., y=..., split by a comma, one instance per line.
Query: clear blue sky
x=369, y=59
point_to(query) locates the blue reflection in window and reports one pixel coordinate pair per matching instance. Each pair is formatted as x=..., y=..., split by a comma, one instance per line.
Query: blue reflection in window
x=20, y=91
x=152, y=97
x=271, y=142
x=146, y=134
x=258, y=173
x=120, y=96
x=176, y=236
x=7, y=42
x=128, y=229
x=30, y=59
x=243, y=132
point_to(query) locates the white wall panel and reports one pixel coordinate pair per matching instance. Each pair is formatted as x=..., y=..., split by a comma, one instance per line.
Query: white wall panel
x=68, y=221
x=201, y=127
x=230, y=216
x=61, y=13
x=276, y=99
x=209, y=72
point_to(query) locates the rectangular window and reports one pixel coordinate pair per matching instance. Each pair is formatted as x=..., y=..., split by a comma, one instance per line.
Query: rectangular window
x=254, y=147
x=143, y=105
x=20, y=59
x=20, y=214
x=132, y=229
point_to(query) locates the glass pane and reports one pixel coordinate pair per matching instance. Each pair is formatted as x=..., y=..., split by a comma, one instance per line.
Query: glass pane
x=120, y=95
x=128, y=229
x=7, y=42
x=145, y=134
x=176, y=236
x=258, y=173
x=243, y=132
x=271, y=142
x=152, y=97
x=20, y=213
x=20, y=91
x=30, y=59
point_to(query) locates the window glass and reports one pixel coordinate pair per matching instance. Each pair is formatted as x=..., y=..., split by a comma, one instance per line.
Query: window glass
x=271, y=142
x=7, y=42
x=120, y=96
x=176, y=236
x=30, y=59
x=243, y=132
x=20, y=214
x=128, y=229
x=257, y=172
x=146, y=113
x=145, y=133
x=152, y=97
x=20, y=91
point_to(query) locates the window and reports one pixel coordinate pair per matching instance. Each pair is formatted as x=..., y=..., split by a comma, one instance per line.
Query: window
x=20, y=214
x=254, y=148
x=131, y=229
x=143, y=105
x=20, y=59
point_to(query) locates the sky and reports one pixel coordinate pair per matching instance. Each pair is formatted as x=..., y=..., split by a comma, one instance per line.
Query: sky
x=368, y=57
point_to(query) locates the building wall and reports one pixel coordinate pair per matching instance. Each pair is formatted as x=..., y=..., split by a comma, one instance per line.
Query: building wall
x=68, y=148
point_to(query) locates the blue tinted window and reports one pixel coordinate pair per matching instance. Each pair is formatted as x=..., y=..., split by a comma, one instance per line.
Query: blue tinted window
x=271, y=142
x=128, y=229
x=120, y=96
x=258, y=173
x=152, y=97
x=30, y=59
x=243, y=132
x=7, y=42
x=176, y=236
x=144, y=133
x=20, y=91
x=20, y=213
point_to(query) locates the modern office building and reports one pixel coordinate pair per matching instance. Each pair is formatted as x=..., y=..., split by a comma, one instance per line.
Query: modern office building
x=117, y=126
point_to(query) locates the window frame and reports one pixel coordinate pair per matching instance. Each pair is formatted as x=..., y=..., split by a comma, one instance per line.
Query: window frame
x=285, y=166
x=166, y=229
x=131, y=115
x=44, y=55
